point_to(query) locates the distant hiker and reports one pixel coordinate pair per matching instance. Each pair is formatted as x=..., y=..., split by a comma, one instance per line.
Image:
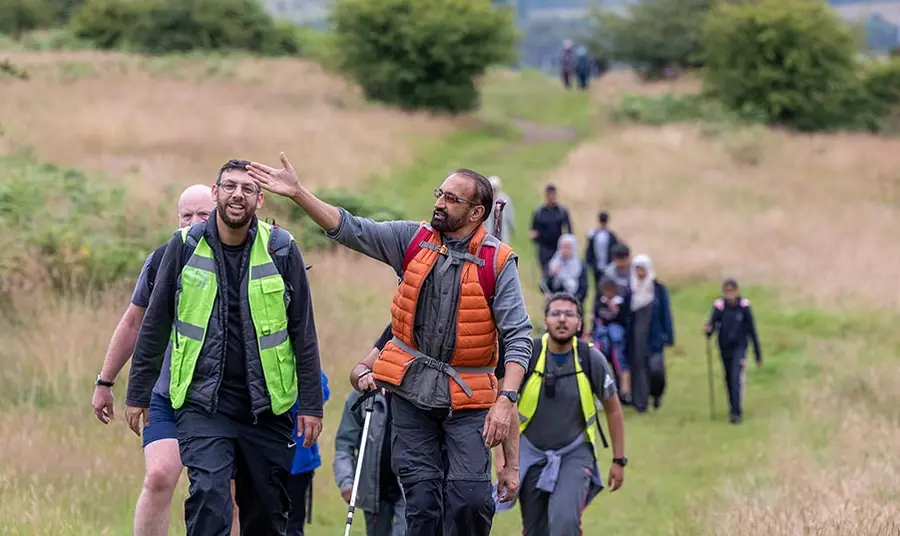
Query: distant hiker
x=559, y=441
x=549, y=222
x=303, y=470
x=508, y=216
x=160, y=442
x=245, y=353
x=567, y=62
x=458, y=298
x=583, y=67
x=608, y=331
x=732, y=319
x=378, y=494
x=649, y=329
x=566, y=271
x=619, y=270
x=599, y=251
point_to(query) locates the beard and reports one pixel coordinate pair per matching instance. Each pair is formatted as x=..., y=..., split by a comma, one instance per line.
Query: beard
x=238, y=215
x=563, y=335
x=443, y=222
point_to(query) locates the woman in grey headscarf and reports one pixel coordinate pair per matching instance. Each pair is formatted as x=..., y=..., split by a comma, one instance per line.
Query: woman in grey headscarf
x=566, y=271
x=648, y=329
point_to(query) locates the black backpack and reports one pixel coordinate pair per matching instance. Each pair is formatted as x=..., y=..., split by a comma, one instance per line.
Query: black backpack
x=279, y=247
x=584, y=357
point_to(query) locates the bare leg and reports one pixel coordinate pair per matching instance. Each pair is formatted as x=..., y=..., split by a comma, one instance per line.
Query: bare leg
x=163, y=467
x=235, y=519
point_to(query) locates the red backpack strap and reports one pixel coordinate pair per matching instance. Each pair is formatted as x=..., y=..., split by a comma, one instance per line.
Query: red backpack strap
x=415, y=245
x=487, y=275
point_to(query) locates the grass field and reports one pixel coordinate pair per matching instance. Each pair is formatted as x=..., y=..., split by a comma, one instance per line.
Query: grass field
x=803, y=221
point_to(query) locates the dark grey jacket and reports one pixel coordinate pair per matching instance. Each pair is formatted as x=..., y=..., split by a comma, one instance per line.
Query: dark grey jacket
x=346, y=448
x=203, y=391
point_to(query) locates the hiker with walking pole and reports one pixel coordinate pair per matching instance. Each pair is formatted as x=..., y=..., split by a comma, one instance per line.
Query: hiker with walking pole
x=379, y=494
x=560, y=432
x=732, y=320
x=459, y=296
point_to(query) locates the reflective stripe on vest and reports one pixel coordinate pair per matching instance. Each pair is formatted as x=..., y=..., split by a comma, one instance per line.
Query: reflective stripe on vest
x=194, y=302
x=531, y=393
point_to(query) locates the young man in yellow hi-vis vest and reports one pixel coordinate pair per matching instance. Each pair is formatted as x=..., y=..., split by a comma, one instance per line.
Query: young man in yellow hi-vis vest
x=233, y=297
x=559, y=429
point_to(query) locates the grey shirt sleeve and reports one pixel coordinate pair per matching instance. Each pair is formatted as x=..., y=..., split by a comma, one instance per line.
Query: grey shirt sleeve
x=141, y=295
x=602, y=382
x=383, y=241
x=513, y=324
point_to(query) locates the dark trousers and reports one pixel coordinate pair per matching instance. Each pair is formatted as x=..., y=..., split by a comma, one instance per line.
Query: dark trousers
x=389, y=520
x=545, y=253
x=216, y=448
x=300, y=492
x=733, y=360
x=648, y=380
x=445, y=470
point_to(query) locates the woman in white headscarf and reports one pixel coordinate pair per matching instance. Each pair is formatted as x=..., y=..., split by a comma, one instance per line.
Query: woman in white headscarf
x=566, y=270
x=649, y=329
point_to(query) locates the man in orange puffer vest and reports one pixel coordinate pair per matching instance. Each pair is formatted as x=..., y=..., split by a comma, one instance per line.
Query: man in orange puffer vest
x=459, y=299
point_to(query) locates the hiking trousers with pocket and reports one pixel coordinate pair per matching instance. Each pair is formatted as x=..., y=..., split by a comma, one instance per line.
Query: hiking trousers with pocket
x=445, y=470
x=557, y=513
x=733, y=360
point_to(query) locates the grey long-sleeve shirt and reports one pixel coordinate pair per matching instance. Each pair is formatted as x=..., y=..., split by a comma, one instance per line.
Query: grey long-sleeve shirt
x=387, y=242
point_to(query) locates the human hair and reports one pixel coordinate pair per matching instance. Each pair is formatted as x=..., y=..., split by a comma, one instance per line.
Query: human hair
x=563, y=296
x=604, y=216
x=620, y=251
x=484, y=192
x=606, y=283
x=228, y=166
x=730, y=283
x=550, y=188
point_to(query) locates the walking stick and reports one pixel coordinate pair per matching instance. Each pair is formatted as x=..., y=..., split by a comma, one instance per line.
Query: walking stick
x=709, y=375
x=369, y=399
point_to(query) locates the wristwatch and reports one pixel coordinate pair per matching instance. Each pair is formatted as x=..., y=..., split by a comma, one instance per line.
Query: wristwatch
x=103, y=383
x=622, y=462
x=511, y=395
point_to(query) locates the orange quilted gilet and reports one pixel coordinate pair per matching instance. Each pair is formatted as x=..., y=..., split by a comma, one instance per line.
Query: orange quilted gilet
x=476, y=333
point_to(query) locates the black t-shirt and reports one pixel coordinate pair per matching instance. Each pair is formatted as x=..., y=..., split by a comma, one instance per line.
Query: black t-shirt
x=390, y=488
x=234, y=396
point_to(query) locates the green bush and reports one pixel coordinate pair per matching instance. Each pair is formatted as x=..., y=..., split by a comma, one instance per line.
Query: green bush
x=652, y=35
x=421, y=53
x=166, y=26
x=875, y=103
x=669, y=108
x=63, y=228
x=794, y=60
x=20, y=16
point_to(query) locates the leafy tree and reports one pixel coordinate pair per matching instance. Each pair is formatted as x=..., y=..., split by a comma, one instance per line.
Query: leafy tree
x=421, y=53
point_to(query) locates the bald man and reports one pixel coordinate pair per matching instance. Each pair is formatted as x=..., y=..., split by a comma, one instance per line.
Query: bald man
x=161, y=457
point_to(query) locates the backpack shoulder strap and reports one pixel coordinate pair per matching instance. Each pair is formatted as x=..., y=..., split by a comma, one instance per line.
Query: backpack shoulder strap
x=415, y=245
x=280, y=240
x=494, y=253
x=584, y=355
x=153, y=265
x=532, y=361
x=192, y=238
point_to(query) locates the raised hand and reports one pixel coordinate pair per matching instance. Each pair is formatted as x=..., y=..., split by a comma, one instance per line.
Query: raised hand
x=282, y=181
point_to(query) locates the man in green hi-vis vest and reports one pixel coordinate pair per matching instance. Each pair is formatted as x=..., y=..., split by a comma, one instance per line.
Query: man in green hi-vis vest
x=234, y=300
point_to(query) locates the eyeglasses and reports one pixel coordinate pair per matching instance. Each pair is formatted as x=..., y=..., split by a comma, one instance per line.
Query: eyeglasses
x=229, y=187
x=451, y=198
x=568, y=313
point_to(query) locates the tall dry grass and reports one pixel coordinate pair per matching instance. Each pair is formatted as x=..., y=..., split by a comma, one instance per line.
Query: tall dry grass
x=812, y=214
x=848, y=485
x=168, y=121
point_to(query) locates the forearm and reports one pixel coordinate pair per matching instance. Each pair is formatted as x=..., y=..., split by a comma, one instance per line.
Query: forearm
x=513, y=375
x=121, y=346
x=616, y=424
x=509, y=451
x=326, y=216
x=383, y=241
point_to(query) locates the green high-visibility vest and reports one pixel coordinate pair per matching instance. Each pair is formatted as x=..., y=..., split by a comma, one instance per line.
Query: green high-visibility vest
x=194, y=305
x=531, y=393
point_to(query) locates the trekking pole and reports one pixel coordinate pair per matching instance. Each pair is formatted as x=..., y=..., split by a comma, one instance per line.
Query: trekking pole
x=369, y=399
x=709, y=375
